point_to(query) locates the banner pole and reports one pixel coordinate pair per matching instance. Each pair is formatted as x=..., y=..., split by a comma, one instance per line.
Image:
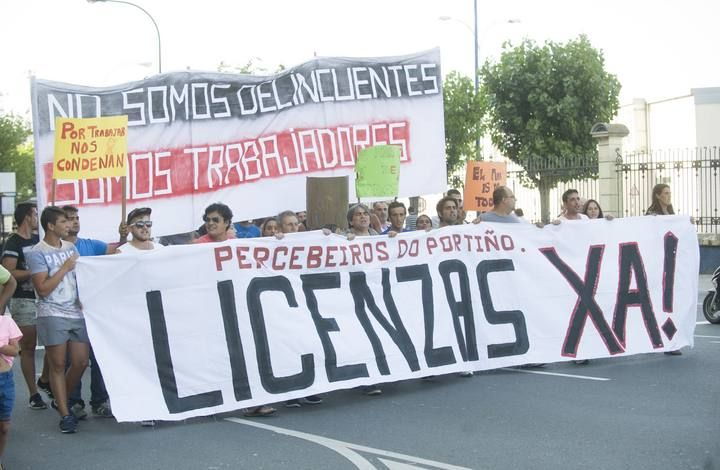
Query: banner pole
x=123, y=204
x=357, y=154
x=52, y=192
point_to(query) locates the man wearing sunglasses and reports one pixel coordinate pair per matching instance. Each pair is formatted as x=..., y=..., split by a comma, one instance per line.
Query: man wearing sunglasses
x=218, y=219
x=140, y=227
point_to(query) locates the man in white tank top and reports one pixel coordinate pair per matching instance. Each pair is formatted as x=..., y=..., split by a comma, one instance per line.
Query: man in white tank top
x=140, y=226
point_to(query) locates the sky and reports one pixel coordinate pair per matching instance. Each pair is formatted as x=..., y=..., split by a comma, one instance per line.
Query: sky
x=658, y=50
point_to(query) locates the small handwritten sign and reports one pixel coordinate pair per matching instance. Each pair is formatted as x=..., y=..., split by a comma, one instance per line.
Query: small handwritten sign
x=481, y=179
x=378, y=171
x=90, y=147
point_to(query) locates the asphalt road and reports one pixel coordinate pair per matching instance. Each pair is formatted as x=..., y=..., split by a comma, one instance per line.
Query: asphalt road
x=649, y=411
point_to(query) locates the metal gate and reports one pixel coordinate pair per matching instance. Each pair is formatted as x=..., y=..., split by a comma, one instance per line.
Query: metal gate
x=693, y=176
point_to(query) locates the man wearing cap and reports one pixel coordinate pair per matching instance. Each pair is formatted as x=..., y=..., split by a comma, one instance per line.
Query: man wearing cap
x=90, y=247
x=140, y=227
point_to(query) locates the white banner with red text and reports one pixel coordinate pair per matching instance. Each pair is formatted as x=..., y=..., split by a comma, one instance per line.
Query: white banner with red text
x=203, y=329
x=195, y=138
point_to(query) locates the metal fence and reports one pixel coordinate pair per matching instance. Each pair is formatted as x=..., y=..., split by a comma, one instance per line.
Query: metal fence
x=528, y=199
x=693, y=175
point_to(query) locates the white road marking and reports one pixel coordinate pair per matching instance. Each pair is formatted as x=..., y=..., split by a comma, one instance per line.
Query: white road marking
x=557, y=374
x=393, y=465
x=707, y=336
x=347, y=449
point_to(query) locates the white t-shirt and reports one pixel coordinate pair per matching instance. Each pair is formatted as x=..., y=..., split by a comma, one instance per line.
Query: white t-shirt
x=63, y=300
x=129, y=248
x=579, y=217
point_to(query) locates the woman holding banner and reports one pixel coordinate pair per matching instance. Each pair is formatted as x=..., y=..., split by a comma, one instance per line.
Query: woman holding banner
x=662, y=205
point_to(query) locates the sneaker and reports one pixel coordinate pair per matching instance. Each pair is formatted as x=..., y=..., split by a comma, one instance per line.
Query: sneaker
x=371, y=390
x=78, y=411
x=68, y=424
x=293, y=403
x=37, y=403
x=45, y=387
x=312, y=400
x=148, y=423
x=467, y=373
x=103, y=410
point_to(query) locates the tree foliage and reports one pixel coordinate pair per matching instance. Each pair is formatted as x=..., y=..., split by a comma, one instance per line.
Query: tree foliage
x=464, y=111
x=543, y=101
x=254, y=66
x=16, y=154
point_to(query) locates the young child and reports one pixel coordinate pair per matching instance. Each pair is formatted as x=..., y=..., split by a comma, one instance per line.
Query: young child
x=9, y=337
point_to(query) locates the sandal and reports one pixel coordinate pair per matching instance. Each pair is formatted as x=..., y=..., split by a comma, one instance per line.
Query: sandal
x=259, y=411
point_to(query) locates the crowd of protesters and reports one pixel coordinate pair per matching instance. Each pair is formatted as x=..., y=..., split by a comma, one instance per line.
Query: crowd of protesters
x=38, y=286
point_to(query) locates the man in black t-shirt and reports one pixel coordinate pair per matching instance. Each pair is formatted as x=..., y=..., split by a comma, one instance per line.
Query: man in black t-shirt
x=22, y=304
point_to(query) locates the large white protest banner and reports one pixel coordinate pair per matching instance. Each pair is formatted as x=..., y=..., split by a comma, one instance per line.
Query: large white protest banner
x=196, y=138
x=202, y=329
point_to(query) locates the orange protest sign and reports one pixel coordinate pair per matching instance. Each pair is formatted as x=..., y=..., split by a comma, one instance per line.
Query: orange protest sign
x=90, y=147
x=481, y=179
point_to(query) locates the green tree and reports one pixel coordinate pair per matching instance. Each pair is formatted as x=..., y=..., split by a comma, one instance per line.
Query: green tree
x=16, y=154
x=543, y=101
x=464, y=111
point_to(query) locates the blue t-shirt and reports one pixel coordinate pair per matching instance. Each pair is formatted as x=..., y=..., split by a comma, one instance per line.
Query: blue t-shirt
x=387, y=230
x=90, y=247
x=251, y=231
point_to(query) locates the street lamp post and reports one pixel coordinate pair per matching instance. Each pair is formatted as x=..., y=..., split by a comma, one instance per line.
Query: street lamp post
x=157, y=30
x=476, y=49
x=477, y=56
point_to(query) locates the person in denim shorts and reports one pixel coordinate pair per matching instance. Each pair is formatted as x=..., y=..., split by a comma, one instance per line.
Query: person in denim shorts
x=10, y=336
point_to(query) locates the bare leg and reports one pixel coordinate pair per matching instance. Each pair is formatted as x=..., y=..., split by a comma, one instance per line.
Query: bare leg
x=4, y=431
x=56, y=362
x=45, y=373
x=79, y=357
x=27, y=356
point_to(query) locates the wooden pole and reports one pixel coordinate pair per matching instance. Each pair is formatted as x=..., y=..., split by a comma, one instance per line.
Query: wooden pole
x=123, y=182
x=52, y=192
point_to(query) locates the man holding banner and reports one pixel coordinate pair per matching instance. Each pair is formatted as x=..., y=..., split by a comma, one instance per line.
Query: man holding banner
x=289, y=223
x=60, y=324
x=447, y=211
x=397, y=212
x=140, y=226
x=99, y=398
x=455, y=194
x=503, y=207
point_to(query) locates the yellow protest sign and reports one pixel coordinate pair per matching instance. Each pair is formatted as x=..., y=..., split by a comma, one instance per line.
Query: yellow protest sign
x=90, y=147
